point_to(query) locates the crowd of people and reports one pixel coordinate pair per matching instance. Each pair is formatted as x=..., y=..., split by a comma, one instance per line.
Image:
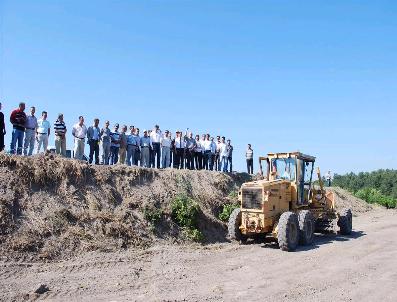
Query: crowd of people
x=152, y=149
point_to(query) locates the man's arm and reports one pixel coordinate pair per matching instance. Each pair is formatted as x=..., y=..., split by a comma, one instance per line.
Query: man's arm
x=12, y=117
x=74, y=131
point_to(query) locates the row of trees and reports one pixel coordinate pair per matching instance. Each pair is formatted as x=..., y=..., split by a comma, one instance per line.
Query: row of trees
x=374, y=187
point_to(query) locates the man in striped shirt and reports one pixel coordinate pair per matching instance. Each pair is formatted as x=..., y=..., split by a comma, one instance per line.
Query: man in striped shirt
x=60, y=135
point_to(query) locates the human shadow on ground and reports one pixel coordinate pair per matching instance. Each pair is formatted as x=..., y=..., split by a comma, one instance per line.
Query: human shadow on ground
x=319, y=240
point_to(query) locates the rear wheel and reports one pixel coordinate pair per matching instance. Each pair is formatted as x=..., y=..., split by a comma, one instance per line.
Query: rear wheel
x=306, y=227
x=345, y=222
x=233, y=226
x=288, y=231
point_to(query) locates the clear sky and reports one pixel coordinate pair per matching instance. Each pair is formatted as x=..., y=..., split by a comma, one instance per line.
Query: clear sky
x=314, y=76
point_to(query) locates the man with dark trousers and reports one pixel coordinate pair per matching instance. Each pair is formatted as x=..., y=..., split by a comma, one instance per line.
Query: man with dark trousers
x=179, y=151
x=18, y=120
x=94, y=137
x=2, y=129
x=155, y=137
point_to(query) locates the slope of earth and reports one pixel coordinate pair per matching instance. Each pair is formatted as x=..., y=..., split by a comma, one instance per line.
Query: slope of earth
x=52, y=208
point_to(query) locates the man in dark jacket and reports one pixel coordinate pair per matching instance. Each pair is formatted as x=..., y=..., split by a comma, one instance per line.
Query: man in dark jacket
x=18, y=120
x=2, y=129
x=94, y=137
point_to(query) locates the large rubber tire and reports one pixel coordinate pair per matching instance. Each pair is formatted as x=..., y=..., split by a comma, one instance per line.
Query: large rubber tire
x=233, y=226
x=288, y=231
x=345, y=222
x=306, y=227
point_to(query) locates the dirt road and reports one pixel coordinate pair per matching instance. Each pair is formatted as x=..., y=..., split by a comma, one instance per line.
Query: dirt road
x=362, y=267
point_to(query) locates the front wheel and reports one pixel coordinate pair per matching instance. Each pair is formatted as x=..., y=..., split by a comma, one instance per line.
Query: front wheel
x=288, y=231
x=233, y=226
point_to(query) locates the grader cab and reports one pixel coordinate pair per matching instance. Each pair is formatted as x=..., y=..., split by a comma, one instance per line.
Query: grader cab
x=285, y=204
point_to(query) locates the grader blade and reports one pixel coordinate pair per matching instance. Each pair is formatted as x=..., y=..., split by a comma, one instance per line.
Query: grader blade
x=330, y=200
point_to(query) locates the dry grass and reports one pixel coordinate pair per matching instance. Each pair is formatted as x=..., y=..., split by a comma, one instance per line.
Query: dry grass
x=51, y=207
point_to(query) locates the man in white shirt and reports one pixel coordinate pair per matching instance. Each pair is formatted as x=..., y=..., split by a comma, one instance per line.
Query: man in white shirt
x=155, y=137
x=79, y=132
x=43, y=132
x=30, y=132
x=165, y=143
x=206, y=145
x=328, y=178
x=222, y=155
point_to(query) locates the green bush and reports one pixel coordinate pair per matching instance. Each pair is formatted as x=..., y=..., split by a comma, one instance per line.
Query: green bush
x=233, y=195
x=227, y=211
x=152, y=214
x=372, y=195
x=185, y=212
x=193, y=234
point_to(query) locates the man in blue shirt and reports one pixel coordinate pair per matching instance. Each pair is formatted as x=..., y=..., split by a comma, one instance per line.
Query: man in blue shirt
x=133, y=143
x=30, y=132
x=115, y=145
x=145, y=153
x=93, y=137
x=106, y=142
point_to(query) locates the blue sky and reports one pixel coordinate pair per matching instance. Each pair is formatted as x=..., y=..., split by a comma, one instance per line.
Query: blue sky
x=314, y=76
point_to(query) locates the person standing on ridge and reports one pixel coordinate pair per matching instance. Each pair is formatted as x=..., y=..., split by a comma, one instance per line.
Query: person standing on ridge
x=79, y=132
x=115, y=145
x=155, y=137
x=249, y=156
x=30, y=132
x=94, y=137
x=60, y=135
x=123, y=145
x=328, y=178
x=145, y=152
x=18, y=121
x=229, y=156
x=2, y=129
x=165, y=143
x=42, y=132
x=106, y=141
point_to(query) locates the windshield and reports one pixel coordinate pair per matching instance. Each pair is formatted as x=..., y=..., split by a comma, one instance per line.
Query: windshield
x=283, y=168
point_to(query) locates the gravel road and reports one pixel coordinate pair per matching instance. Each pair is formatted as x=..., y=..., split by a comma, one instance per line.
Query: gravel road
x=360, y=267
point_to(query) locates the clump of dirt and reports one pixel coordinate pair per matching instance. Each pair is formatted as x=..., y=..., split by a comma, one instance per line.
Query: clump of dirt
x=52, y=208
x=344, y=199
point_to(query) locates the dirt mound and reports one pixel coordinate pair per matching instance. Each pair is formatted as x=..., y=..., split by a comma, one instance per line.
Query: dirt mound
x=344, y=199
x=51, y=207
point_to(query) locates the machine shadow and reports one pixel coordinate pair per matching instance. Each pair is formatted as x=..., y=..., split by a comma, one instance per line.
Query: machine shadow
x=319, y=240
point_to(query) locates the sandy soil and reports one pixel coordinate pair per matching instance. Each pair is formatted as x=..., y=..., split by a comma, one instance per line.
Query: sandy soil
x=360, y=267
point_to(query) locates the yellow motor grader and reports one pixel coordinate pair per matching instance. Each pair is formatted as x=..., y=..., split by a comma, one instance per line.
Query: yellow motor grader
x=285, y=204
